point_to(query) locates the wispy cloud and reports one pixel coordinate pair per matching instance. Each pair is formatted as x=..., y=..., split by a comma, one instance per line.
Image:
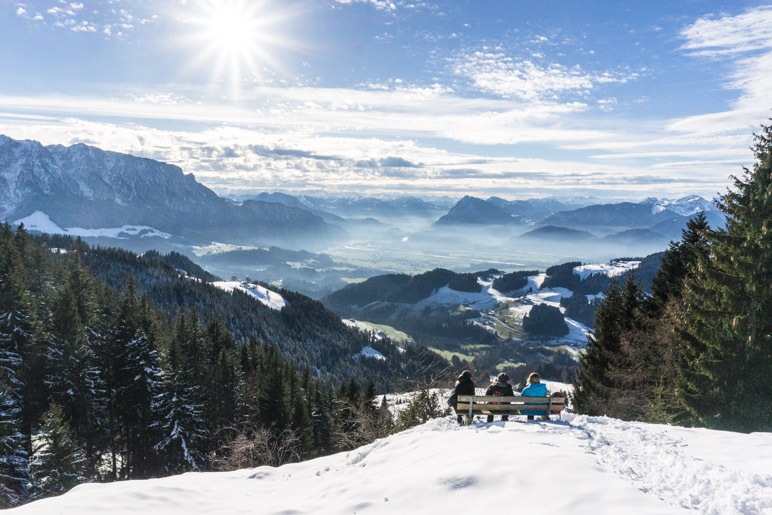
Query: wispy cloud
x=390, y=5
x=89, y=17
x=382, y=5
x=745, y=43
x=730, y=35
x=494, y=71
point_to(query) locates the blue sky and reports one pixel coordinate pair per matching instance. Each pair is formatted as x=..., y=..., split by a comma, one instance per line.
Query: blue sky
x=520, y=99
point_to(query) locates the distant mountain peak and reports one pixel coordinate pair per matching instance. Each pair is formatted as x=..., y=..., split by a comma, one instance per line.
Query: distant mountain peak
x=87, y=187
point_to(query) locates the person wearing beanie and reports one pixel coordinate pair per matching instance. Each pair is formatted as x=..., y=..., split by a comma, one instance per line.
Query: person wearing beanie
x=464, y=386
x=535, y=388
x=500, y=387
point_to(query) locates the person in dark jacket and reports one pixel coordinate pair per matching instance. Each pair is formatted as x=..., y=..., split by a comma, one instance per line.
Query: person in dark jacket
x=464, y=386
x=535, y=388
x=500, y=387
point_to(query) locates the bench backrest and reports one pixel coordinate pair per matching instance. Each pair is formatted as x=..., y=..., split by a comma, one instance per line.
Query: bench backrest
x=490, y=404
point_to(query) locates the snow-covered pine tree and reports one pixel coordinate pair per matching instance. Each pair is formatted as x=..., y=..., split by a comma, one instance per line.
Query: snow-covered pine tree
x=14, y=475
x=180, y=425
x=73, y=378
x=58, y=463
x=131, y=360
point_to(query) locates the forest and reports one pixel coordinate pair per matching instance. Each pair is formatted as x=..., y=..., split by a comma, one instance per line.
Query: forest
x=698, y=350
x=116, y=366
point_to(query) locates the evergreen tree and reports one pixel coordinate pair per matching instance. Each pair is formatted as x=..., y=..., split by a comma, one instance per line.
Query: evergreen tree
x=544, y=320
x=180, y=425
x=57, y=463
x=18, y=327
x=678, y=260
x=423, y=406
x=14, y=477
x=73, y=378
x=134, y=371
x=598, y=383
x=726, y=325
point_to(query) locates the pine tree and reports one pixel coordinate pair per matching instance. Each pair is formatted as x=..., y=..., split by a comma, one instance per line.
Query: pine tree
x=57, y=463
x=18, y=326
x=73, y=378
x=597, y=385
x=134, y=373
x=180, y=425
x=14, y=476
x=678, y=260
x=724, y=379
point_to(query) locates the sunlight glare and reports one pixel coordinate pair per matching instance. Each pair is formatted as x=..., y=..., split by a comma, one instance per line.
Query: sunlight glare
x=237, y=39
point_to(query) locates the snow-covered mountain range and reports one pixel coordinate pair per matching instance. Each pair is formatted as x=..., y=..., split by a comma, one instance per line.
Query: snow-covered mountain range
x=143, y=204
x=81, y=186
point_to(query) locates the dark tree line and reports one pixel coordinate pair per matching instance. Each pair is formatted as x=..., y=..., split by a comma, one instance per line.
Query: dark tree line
x=99, y=384
x=698, y=351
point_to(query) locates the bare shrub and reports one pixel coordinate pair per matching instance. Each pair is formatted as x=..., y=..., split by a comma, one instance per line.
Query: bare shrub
x=247, y=449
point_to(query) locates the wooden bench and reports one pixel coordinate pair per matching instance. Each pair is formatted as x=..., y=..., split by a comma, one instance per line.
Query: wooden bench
x=470, y=405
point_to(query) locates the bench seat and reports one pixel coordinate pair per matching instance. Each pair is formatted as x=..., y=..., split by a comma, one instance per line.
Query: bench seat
x=470, y=405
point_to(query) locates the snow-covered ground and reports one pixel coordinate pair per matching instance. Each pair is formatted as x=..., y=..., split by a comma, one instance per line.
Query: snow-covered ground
x=369, y=352
x=267, y=297
x=580, y=465
x=613, y=269
x=448, y=296
x=39, y=221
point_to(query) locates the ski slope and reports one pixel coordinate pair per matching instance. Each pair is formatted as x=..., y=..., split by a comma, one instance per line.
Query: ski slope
x=580, y=465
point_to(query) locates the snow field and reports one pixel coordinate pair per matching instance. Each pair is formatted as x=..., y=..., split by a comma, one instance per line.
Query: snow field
x=580, y=465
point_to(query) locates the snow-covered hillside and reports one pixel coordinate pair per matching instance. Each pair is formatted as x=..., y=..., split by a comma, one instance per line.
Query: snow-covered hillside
x=39, y=221
x=265, y=296
x=577, y=466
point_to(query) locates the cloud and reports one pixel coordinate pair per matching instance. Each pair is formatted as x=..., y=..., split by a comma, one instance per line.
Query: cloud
x=493, y=71
x=388, y=162
x=109, y=21
x=745, y=42
x=381, y=5
x=390, y=6
x=730, y=35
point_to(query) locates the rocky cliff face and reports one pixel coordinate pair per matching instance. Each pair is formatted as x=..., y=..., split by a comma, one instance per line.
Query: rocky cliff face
x=84, y=186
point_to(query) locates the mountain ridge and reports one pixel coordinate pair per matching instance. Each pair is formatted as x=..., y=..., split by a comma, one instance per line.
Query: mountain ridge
x=84, y=186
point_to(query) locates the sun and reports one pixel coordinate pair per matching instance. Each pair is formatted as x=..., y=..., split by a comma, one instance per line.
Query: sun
x=237, y=40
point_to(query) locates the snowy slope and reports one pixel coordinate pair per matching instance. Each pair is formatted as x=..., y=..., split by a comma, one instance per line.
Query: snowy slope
x=613, y=269
x=39, y=221
x=579, y=466
x=267, y=297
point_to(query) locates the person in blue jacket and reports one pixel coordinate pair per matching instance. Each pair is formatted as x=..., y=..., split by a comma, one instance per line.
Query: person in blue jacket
x=535, y=388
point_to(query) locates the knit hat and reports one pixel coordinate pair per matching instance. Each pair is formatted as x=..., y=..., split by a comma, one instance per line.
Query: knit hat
x=466, y=374
x=503, y=378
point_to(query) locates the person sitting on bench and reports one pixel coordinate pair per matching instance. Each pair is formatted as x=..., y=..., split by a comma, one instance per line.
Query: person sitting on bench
x=500, y=388
x=535, y=388
x=464, y=386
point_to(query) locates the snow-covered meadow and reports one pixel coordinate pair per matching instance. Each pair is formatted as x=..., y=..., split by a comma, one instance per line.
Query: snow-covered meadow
x=263, y=295
x=39, y=221
x=578, y=465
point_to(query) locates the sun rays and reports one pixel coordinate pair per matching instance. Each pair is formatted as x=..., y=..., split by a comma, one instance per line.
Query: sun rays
x=237, y=40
